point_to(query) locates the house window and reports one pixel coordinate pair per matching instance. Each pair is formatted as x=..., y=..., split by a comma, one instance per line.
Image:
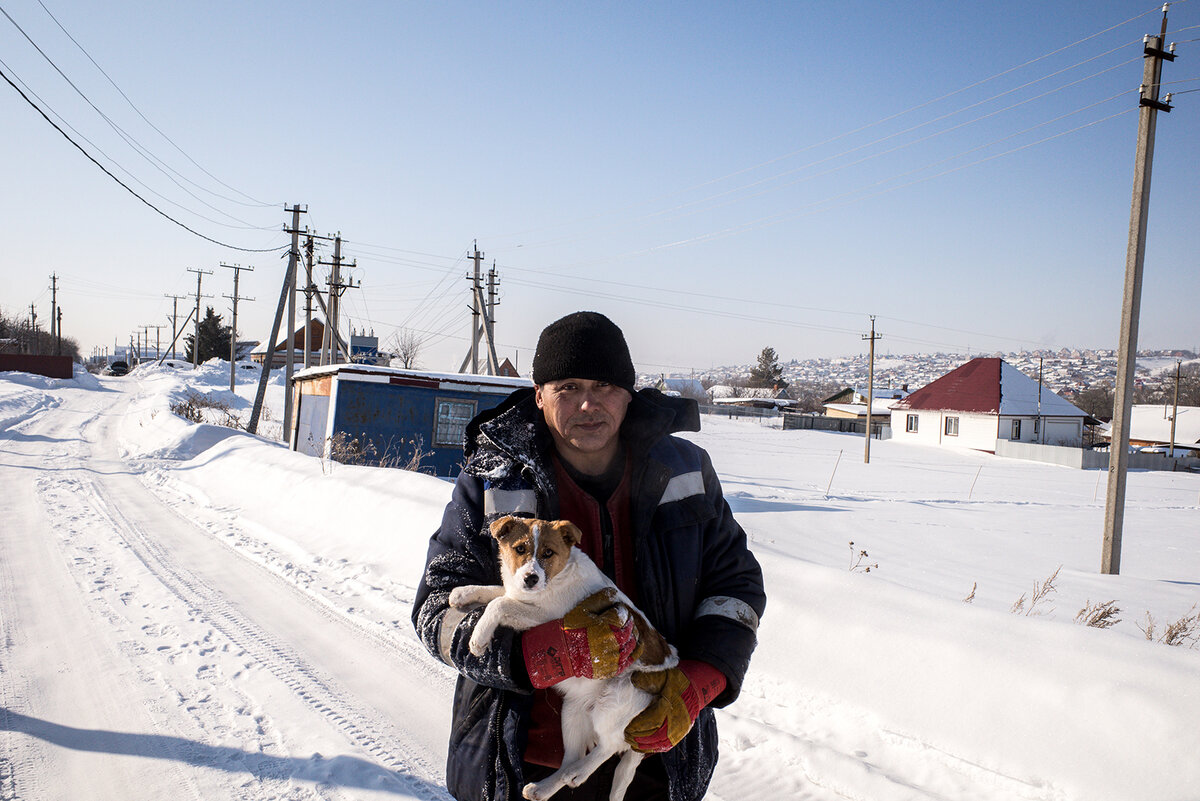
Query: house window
x=1016, y=430
x=452, y=419
x=951, y=426
x=911, y=425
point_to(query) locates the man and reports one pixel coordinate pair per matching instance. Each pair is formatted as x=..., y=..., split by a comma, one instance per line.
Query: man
x=582, y=445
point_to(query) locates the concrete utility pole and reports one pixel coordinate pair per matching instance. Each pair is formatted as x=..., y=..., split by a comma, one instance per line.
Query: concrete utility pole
x=53, y=306
x=196, y=336
x=288, y=285
x=870, y=387
x=1118, y=465
x=237, y=271
x=309, y=289
x=157, y=340
x=1174, y=411
x=476, y=311
x=174, y=321
x=34, y=346
x=333, y=311
x=58, y=334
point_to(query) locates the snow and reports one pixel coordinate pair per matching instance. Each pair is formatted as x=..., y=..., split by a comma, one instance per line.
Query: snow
x=191, y=611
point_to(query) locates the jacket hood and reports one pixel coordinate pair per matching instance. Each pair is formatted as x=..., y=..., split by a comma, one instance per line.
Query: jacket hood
x=516, y=427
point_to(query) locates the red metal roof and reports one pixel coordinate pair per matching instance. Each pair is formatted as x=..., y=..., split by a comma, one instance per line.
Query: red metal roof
x=973, y=387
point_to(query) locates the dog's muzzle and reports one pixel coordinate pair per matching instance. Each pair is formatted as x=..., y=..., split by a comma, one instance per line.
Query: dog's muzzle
x=531, y=581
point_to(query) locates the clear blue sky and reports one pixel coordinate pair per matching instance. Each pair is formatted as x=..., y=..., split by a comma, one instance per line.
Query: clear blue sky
x=716, y=177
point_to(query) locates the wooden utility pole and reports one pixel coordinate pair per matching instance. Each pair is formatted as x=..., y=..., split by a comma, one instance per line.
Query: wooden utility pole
x=870, y=387
x=196, y=336
x=237, y=271
x=1118, y=464
x=261, y=394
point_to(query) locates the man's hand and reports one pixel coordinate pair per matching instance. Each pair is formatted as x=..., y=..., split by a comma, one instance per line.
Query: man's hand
x=595, y=640
x=680, y=693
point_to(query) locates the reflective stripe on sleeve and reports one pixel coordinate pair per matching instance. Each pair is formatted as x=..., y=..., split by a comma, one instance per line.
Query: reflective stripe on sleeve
x=732, y=608
x=509, y=502
x=683, y=486
x=450, y=620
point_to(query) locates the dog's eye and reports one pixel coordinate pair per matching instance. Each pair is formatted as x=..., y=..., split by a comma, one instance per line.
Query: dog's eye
x=547, y=553
x=519, y=550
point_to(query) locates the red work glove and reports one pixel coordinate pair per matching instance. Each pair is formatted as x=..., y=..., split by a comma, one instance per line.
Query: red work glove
x=595, y=640
x=680, y=693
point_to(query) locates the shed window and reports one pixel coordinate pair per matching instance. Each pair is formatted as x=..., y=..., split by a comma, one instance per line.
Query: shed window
x=951, y=426
x=911, y=425
x=452, y=419
x=1016, y=430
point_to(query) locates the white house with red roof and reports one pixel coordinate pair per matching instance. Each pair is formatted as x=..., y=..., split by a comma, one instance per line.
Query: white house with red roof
x=985, y=400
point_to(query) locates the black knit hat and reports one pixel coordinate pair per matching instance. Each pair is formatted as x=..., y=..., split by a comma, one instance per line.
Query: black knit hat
x=583, y=345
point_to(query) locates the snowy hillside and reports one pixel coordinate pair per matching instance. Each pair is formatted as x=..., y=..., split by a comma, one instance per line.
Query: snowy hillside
x=188, y=611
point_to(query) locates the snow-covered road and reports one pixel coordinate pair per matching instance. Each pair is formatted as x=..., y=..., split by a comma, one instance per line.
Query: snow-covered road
x=188, y=611
x=179, y=668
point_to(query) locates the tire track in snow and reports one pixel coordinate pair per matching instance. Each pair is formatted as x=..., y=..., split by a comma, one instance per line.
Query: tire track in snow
x=388, y=745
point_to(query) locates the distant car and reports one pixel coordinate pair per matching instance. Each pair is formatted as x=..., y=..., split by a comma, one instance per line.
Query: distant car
x=117, y=368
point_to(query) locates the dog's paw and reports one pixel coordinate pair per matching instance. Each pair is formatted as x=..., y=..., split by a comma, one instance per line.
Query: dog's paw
x=533, y=792
x=461, y=597
x=480, y=642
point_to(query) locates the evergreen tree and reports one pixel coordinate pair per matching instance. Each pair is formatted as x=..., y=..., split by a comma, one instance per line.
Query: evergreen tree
x=768, y=372
x=215, y=339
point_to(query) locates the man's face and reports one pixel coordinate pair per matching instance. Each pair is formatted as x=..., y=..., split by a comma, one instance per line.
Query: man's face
x=584, y=418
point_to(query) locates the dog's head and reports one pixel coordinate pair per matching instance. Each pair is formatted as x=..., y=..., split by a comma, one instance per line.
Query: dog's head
x=533, y=552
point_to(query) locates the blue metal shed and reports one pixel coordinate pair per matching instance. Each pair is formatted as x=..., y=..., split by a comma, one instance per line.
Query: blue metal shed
x=383, y=415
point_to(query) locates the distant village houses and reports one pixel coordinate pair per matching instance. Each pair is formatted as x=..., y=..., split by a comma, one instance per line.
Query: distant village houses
x=985, y=400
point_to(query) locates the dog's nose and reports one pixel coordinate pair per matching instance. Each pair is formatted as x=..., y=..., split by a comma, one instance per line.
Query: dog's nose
x=531, y=581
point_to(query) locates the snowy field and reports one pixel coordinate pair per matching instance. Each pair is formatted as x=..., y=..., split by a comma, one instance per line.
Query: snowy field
x=191, y=612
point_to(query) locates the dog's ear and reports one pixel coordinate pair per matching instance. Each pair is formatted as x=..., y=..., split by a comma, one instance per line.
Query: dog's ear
x=570, y=533
x=506, y=527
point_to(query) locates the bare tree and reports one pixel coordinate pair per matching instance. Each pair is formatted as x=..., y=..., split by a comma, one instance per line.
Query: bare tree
x=407, y=347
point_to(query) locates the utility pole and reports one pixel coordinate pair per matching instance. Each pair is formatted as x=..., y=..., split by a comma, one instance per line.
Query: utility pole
x=174, y=320
x=157, y=339
x=872, y=337
x=1174, y=411
x=309, y=289
x=34, y=347
x=196, y=337
x=476, y=311
x=293, y=257
x=489, y=329
x=1118, y=465
x=58, y=334
x=483, y=316
x=237, y=271
x=333, y=310
x=1040, y=428
x=53, y=306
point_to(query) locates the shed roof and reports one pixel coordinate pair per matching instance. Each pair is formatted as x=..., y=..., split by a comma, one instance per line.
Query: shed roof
x=989, y=386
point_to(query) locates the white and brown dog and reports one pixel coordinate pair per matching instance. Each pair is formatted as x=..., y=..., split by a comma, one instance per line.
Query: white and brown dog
x=545, y=577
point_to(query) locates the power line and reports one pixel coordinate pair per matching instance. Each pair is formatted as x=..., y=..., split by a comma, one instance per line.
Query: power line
x=860, y=129
x=123, y=184
x=155, y=127
x=137, y=146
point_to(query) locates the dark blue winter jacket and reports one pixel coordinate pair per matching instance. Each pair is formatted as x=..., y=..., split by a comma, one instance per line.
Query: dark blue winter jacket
x=697, y=581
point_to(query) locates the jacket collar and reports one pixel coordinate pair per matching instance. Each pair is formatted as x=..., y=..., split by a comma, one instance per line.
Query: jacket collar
x=517, y=429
